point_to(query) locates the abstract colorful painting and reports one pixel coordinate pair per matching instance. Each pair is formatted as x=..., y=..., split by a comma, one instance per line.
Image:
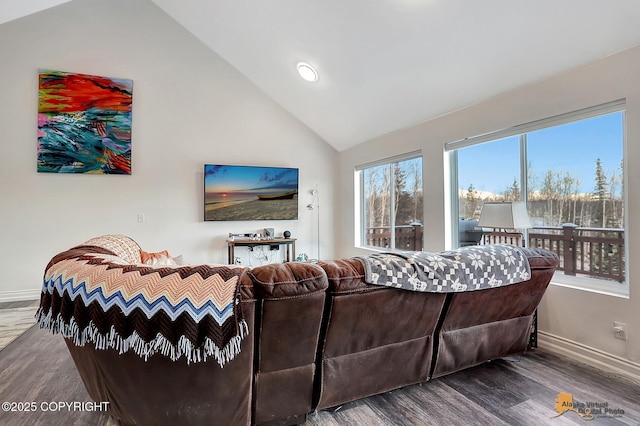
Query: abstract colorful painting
x=84, y=123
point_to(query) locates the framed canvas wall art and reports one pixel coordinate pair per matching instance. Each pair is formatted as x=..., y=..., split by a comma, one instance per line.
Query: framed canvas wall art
x=84, y=123
x=250, y=193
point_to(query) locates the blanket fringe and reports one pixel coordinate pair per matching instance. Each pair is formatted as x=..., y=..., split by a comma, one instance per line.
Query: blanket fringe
x=159, y=344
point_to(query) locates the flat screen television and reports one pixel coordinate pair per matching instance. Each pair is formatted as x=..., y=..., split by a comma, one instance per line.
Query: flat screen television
x=250, y=193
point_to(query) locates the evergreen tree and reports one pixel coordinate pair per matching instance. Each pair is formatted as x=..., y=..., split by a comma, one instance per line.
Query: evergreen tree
x=471, y=201
x=600, y=194
x=513, y=192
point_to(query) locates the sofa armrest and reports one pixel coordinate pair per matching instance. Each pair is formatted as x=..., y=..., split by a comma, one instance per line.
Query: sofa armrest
x=541, y=258
x=93, y=296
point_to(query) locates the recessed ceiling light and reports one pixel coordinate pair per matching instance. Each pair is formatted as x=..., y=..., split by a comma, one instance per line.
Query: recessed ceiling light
x=307, y=72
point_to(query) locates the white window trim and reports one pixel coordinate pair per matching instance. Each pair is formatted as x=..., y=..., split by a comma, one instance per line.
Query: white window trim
x=582, y=114
x=359, y=218
x=594, y=285
x=395, y=159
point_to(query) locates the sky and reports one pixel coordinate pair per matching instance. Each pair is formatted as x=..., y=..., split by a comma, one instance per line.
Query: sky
x=572, y=147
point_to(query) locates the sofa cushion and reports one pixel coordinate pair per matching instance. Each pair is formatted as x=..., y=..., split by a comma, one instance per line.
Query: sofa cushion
x=287, y=280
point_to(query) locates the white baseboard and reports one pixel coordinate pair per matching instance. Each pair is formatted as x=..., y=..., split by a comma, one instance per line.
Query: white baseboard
x=19, y=295
x=590, y=356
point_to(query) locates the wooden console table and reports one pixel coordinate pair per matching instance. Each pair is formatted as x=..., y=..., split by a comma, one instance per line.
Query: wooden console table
x=290, y=244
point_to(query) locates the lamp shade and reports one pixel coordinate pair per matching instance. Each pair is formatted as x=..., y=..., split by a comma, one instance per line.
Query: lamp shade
x=506, y=215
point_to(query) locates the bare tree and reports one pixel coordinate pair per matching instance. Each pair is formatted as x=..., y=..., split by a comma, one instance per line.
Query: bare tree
x=548, y=193
x=621, y=224
x=372, y=188
x=613, y=184
x=400, y=182
x=575, y=196
x=385, y=197
x=567, y=184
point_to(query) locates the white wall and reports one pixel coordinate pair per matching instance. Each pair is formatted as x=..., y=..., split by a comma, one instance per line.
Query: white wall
x=189, y=108
x=577, y=316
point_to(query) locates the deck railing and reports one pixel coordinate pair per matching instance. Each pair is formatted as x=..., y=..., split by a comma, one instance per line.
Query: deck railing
x=593, y=252
x=407, y=237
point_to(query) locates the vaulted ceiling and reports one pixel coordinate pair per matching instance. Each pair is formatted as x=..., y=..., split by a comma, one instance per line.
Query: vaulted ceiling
x=385, y=65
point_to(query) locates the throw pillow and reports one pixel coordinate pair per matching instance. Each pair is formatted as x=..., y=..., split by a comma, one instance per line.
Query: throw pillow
x=158, y=258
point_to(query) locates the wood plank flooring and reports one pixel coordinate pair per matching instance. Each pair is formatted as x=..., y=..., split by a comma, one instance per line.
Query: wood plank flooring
x=512, y=391
x=15, y=318
x=36, y=366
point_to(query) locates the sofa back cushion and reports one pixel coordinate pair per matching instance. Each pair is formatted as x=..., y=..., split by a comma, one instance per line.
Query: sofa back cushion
x=291, y=301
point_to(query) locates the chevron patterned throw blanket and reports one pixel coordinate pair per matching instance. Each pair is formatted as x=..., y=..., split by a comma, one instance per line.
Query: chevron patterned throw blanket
x=90, y=294
x=468, y=268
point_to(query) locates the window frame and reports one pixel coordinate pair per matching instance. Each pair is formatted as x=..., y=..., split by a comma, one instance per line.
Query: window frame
x=577, y=282
x=359, y=177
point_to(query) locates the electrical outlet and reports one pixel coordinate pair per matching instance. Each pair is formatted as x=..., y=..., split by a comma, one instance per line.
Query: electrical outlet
x=619, y=330
x=140, y=217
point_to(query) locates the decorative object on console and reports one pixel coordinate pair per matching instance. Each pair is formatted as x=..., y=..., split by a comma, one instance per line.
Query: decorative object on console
x=271, y=244
x=84, y=123
x=509, y=215
x=242, y=236
x=250, y=193
x=286, y=234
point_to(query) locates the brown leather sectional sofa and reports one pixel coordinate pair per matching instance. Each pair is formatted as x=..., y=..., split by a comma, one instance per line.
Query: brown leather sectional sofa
x=319, y=336
x=376, y=339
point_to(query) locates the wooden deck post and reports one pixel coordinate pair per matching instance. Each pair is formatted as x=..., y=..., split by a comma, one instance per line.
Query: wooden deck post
x=417, y=236
x=568, y=248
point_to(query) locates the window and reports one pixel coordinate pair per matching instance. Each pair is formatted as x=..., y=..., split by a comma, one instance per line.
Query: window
x=391, y=203
x=569, y=171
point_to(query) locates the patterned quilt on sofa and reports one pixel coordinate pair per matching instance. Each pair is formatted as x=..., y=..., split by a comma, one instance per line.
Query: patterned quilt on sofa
x=468, y=268
x=93, y=293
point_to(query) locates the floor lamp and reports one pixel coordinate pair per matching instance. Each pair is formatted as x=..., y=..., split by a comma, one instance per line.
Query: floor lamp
x=315, y=205
x=505, y=215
